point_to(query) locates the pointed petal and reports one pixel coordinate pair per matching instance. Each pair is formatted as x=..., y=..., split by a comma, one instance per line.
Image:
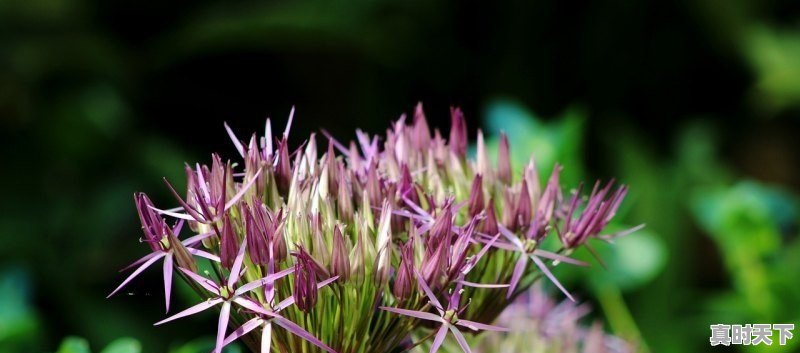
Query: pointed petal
x=266, y=338
x=462, y=342
x=235, y=140
x=623, y=233
x=268, y=137
x=480, y=254
x=183, y=204
x=413, y=313
x=437, y=342
x=173, y=214
x=250, y=286
x=205, y=282
x=483, y=285
x=141, y=261
x=236, y=269
x=477, y=326
x=253, y=306
x=339, y=146
x=139, y=270
x=243, y=330
x=224, y=315
x=549, y=275
x=201, y=253
x=196, y=239
x=519, y=268
x=191, y=311
x=290, y=300
x=300, y=332
x=511, y=238
x=243, y=190
x=428, y=292
x=417, y=209
x=553, y=256
x=167, y=278
x=289, y=123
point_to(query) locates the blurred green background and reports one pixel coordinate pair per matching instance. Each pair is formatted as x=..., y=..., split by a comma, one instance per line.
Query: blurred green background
x=694, y=103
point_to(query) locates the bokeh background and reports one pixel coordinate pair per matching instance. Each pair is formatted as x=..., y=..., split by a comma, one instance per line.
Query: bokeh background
x=694, y=103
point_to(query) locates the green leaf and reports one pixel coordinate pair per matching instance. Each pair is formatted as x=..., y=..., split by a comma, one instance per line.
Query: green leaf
x=18, y=321
x=204, y=345
x=124, y=345
x=74, y=345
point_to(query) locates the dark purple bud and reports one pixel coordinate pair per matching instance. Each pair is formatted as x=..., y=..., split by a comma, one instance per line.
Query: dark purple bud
x=344, y=198
x=278, y=240
x=509, y=210
x=283, y=172
x=153, y=226
x=489, y=225
x=407, y=188
x=373, y=186
x=257, y=235
x=333, y=167
x=524, y=206
x=340, y=260
x=305, y=282
x=435, y=263
x=182, y=255
x=442, y=227
x=229, y=244
x=504, y=160
x=422, y=133
x=458, y=132
x=404, y=281
x=476, y=196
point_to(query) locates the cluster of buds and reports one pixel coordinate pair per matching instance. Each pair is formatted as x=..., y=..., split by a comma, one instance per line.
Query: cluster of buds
x=369, y=244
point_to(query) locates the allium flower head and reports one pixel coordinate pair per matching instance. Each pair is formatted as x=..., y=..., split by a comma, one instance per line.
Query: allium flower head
x=381, y=231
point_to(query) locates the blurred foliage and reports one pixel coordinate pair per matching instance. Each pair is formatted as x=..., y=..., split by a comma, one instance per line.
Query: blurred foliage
x=695, y=104
x=130, y=345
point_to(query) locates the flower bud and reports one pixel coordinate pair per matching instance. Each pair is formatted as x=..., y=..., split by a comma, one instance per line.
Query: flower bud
x=153, y=226
x=404, y=280
x=523, y=216
x=384, y=258
x=504, y=160
x=229, y=244
x=476, y=196
x=283, y=172
x=344, y=199
x=489, y=225
x=305, y=282
x=422, y=133
x=257, y=237
x=340, y=260
x=182, y=255
x=458, y=133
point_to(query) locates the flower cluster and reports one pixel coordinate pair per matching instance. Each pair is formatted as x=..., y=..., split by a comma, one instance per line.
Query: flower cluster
x=370, y=244
x=536, y=320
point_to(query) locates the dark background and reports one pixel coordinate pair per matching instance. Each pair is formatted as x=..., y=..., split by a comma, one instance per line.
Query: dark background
x=695, y=104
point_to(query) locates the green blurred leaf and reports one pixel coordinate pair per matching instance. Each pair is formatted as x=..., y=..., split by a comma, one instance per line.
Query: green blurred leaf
x=74, y=345
x=124, y=345
x=204, y=345
x=18, y=322
x=636, y=259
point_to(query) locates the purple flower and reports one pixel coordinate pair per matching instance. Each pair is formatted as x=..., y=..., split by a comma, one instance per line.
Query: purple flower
x=448, y=318
x=305, y=281
x=165, y=245
x=226, y=294
x=599, y=210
